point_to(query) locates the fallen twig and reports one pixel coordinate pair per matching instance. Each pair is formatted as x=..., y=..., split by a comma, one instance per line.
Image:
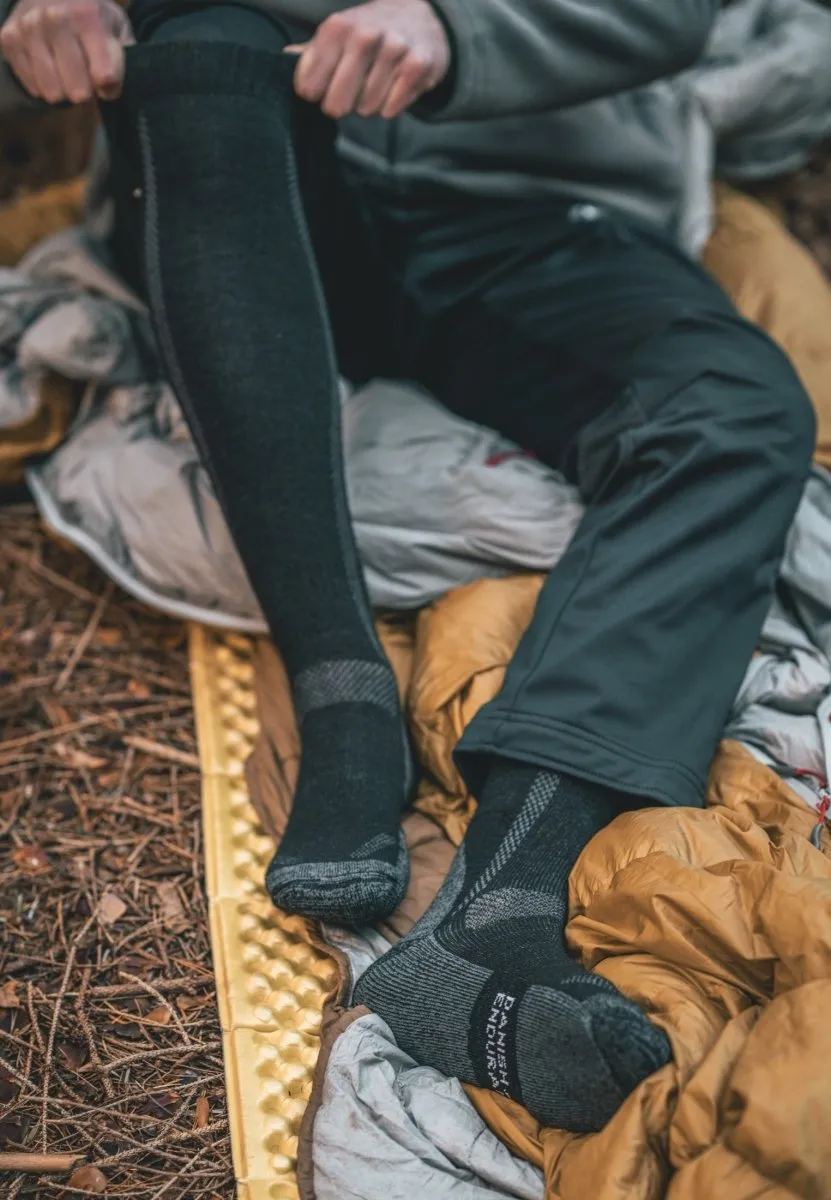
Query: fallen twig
x=158, y=750
x=145, y=710
x=163, y=1052
x=156, y=994
x=38, y=1164
x=50, y=1046
x=15, y=554
x=85, y=638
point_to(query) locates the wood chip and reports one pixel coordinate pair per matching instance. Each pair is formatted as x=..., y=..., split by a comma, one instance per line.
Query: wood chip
x=158, y=1016
x=8, y=995
x=172, y=909
x=187, y=1004
x=203, y=1112
x=110, y=908
x=107, y=637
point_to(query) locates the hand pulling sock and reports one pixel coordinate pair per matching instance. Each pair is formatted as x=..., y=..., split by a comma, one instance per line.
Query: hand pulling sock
x=241, y=323
x=483, y=988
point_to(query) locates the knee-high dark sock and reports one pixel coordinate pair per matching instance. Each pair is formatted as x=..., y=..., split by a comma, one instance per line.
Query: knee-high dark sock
x=483, y=987
x=241, y=323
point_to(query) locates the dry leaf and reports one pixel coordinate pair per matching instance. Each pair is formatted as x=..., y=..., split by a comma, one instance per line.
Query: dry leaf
x=107, y=636
x=138, y=689
x=110, y=908
x=88, y=1179
x=186, y=1003
x=73, y=1054
x=56, y=713
x=124, y=1029
x=203, y=1112
x=171, y=904
x=79, y=759
x=158, y=1016
x=8, y=995
x=134, y=964
x=164, y=1103
x=31, y=860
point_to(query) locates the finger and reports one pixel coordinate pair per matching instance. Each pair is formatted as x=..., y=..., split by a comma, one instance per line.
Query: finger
x=108, y=72
x=413, y=79
x=381, y=77
x=320, y=58
x=102, y=50
x=70, y=63
x=350, y=74
x=44, y=68
x=297, y=48
x=15, y=54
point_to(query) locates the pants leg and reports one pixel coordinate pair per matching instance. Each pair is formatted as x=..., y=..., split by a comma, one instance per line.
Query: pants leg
x=616, y=359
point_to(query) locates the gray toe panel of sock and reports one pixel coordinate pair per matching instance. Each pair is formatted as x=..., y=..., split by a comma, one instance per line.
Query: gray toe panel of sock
x=342, y=891
x=567, y=1081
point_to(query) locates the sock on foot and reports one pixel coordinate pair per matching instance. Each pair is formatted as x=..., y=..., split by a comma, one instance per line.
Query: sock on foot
x=241, y=323
x=483, y=987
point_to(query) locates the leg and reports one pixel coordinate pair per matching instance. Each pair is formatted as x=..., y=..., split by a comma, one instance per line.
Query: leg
x=209, y=127
x=691, y=438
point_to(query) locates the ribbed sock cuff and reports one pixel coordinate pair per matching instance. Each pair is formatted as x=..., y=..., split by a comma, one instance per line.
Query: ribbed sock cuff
x=206, y=69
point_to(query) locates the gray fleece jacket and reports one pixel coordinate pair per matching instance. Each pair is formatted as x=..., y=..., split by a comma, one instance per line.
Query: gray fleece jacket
x=583, y=97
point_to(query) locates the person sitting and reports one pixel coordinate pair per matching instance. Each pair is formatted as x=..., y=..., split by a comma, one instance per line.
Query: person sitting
x=482, y=198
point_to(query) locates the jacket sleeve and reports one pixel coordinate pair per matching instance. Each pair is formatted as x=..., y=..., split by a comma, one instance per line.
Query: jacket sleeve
x=522, y=56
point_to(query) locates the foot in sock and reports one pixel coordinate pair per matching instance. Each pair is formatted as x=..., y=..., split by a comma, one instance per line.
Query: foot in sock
x=242, y=327
x=483, y=987
x=343, y=856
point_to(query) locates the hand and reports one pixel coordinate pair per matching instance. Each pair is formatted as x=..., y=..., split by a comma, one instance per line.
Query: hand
x=67, y=49
x=377, y=58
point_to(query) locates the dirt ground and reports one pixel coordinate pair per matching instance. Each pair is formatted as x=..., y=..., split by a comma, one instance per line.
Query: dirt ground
x=109, y=1036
